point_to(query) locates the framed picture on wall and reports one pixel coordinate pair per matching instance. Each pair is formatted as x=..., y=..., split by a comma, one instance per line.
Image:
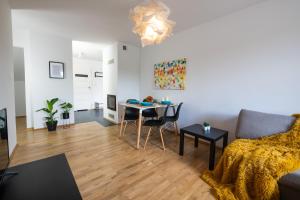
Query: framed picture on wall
x=170, y=75
x=56, y=70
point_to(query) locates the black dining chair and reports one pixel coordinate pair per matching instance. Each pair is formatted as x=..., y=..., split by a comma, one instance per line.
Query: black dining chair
x=150, y=113
x=157, y=123
x=173, y=119
x=130, y=115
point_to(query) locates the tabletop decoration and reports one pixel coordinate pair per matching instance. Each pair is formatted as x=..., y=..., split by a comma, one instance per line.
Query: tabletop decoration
x=146, y=103
x=166, y=102
x=206, y=127
x=148, y=99
x=133, y=101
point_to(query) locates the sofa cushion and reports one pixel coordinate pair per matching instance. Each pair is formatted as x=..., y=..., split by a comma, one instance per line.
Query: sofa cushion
x=252, y=124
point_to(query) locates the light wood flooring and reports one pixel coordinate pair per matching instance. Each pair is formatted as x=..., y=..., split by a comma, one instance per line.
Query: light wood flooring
x=107, y=167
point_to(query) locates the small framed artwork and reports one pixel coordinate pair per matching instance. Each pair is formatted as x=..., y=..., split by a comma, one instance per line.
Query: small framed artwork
x=98, y=74
x=56, y=70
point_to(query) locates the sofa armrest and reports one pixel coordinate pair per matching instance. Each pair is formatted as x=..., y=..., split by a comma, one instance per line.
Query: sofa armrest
x=289, y=186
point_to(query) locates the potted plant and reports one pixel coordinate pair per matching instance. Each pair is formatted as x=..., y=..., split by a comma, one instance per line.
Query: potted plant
x=51, y=121
x=66, y=107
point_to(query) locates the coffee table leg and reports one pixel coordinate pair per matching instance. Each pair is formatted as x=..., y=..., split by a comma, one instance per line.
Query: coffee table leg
x=181, y=143
x=196, y=142
x=212, y=155
x=225, y=141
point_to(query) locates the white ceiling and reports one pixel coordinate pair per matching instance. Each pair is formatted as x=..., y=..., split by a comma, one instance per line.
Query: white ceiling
x=106, y=21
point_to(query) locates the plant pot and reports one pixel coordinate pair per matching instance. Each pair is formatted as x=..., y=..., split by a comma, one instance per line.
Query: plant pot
x=52, y=126
x=66, y=115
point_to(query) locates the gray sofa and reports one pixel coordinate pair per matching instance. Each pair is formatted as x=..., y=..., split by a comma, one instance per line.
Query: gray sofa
x=253, y=125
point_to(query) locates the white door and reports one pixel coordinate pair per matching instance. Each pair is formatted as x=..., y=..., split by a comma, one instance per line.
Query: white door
x=82, y=93
x=97, y=87
x=88, y=89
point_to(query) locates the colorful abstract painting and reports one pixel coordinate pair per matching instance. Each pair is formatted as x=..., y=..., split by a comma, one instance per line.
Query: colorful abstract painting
x=170, y=75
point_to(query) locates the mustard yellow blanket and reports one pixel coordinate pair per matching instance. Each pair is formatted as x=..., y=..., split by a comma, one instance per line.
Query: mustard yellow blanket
x=250, y=169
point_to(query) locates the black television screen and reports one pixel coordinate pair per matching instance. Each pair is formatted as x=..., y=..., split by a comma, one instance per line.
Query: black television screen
x=4, y=154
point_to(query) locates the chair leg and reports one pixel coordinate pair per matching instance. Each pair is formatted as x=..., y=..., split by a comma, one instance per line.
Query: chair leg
x=176, y=128
x=162, y=138
x=121, y=128
x=125, y=128
x=136, y=125
x=149, y=132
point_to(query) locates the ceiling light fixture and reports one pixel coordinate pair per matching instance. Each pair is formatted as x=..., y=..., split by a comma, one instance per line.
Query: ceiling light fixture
x=151, y=22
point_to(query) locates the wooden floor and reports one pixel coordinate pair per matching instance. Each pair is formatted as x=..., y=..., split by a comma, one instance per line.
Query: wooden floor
x=107, y=167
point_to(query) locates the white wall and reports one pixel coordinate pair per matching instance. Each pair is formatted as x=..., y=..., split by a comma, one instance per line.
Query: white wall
x=121, y=78
x=249, y=59
x=128, y=74
x=20, y=98
x=7, y=99
x=21, y=39
x=45, y=48
x=19, y=68
x=89, y=90
x=110, y=78
x=39, y=49
x=19, y=78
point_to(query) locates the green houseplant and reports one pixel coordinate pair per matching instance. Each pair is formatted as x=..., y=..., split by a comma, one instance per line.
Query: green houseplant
x=66, y=107
x=51, y=121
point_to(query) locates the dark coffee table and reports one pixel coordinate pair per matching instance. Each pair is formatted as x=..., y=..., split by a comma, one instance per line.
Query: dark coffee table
x=212, y=136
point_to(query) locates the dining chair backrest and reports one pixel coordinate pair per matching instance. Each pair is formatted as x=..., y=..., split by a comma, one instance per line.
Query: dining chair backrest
x=129, y=100
x=131, y=111
x=163, y=118
x=151, y=112
x=178, y=111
